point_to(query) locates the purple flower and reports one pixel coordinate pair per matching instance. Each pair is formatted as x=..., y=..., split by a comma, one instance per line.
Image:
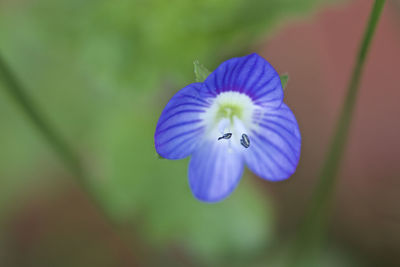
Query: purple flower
x=235, y=117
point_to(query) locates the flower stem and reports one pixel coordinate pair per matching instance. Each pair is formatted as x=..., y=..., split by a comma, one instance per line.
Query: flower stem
x=62, y=148
x=313, y=226
x=16, y=91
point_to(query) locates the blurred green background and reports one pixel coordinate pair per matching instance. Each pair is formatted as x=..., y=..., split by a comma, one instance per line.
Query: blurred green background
x=101, y=72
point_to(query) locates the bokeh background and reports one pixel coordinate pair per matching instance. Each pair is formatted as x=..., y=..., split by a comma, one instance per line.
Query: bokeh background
x=101, y=73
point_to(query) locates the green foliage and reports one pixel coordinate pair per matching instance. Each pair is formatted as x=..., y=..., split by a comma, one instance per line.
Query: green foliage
x=102, y=72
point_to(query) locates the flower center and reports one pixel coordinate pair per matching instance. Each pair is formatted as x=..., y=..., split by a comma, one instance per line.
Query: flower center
x=229, y=111
x=229, y=117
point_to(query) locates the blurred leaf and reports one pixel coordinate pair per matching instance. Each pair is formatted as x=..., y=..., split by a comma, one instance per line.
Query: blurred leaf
x=200, y=72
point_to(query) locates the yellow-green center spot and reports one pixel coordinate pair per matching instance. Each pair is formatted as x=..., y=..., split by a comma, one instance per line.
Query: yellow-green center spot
x=229, y=111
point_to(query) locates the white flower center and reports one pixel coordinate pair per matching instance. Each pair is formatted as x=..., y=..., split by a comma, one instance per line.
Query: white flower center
x=230, y=113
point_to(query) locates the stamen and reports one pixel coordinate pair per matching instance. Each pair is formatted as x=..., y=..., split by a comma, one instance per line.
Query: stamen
x=223, y=125
x=225, y=136
x=245, y=141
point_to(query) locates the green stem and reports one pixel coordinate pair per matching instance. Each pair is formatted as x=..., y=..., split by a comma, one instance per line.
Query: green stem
x=64, y=151
x=60, y=146
x=16, y=91
x=312, y=229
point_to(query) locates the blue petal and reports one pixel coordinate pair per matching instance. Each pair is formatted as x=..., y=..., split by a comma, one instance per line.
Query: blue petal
x=251, y=75
x=180, y=125
x=274, y=150
x=214, y=170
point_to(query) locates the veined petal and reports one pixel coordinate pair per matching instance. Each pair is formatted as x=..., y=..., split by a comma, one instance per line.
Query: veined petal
x=251, y=75
x=275, y=145
x=214, y=170
x=180, y=125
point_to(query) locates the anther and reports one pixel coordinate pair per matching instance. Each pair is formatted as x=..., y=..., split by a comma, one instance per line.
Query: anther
x=245, y=141
x=225, y=136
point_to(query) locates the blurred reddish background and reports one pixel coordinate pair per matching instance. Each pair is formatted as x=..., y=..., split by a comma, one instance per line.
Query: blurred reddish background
x=319, y=53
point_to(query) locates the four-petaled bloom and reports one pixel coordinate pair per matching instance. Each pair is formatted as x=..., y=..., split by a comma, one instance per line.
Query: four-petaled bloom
x=235, y=117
